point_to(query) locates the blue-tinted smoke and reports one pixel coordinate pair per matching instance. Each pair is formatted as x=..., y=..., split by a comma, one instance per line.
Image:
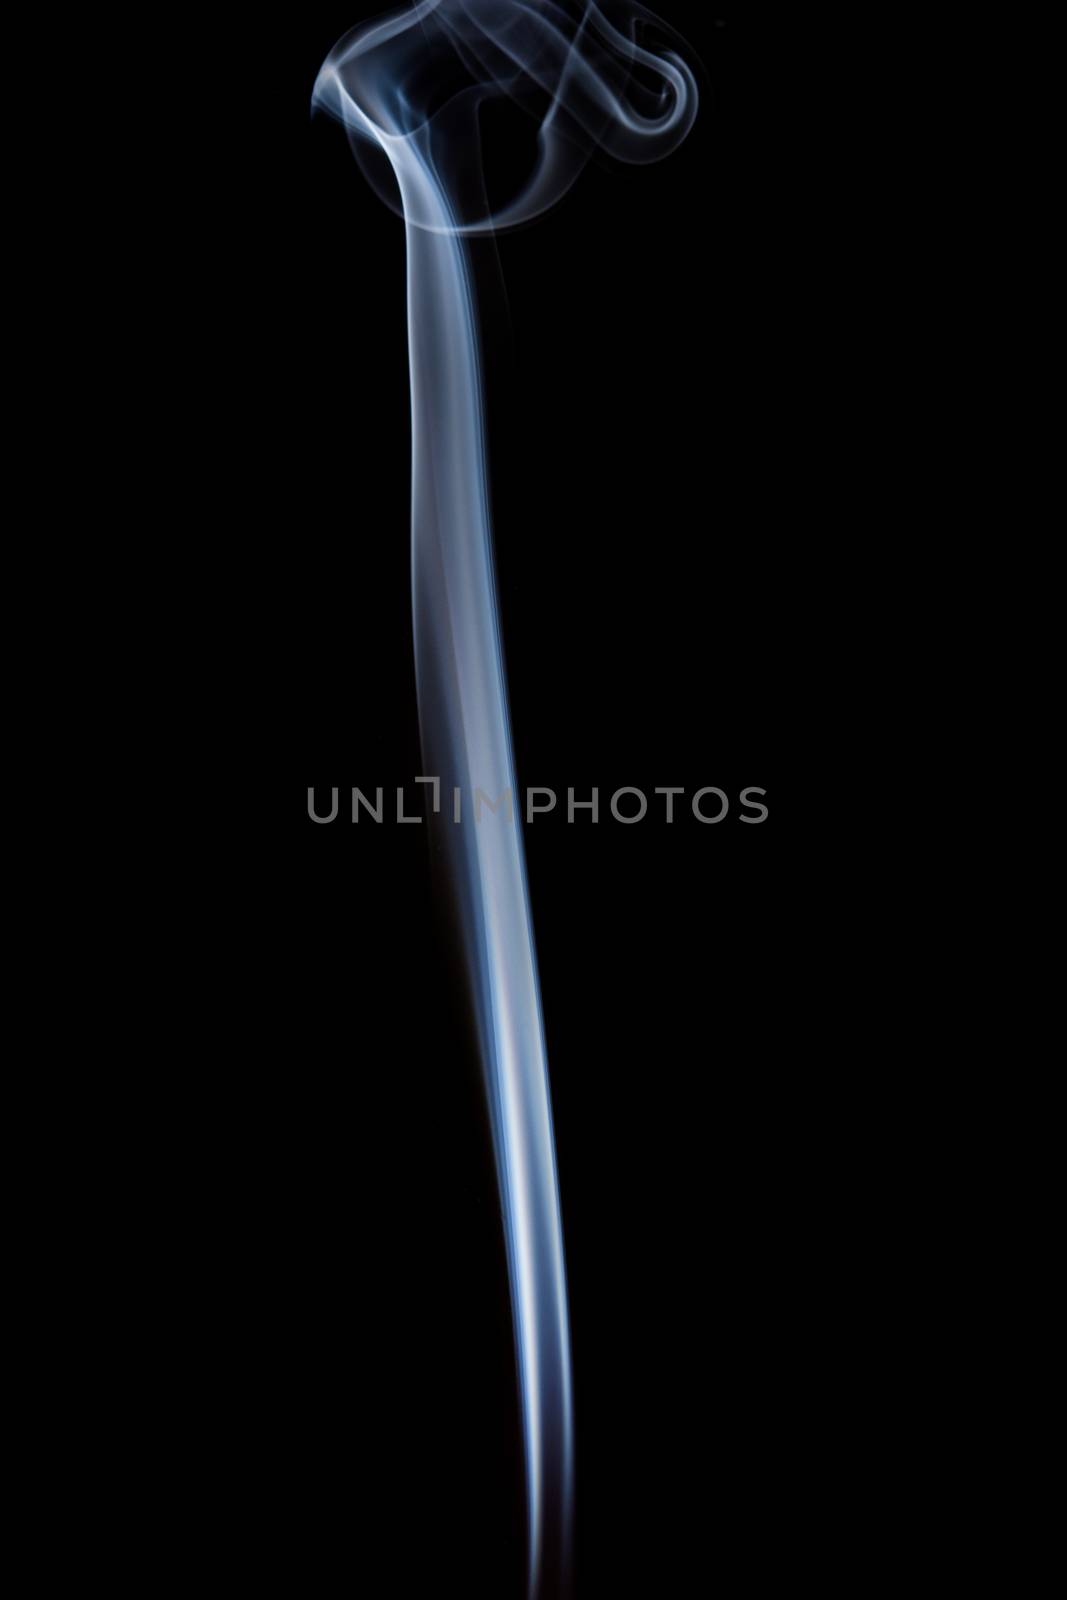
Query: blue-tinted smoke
x=408, y=88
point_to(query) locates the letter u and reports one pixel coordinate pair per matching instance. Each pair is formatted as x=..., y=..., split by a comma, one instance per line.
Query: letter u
x=311, y=807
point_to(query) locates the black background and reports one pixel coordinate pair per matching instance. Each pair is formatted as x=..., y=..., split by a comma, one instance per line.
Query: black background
x=662, y=439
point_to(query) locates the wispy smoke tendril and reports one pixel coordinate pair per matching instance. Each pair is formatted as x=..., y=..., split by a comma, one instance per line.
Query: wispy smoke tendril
x=410, y=88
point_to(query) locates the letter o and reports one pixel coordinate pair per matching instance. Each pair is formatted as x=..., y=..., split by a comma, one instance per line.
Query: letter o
x=696, y=805
x=616, y=813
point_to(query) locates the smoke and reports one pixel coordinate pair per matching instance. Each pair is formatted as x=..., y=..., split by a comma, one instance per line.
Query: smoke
x=410, y=89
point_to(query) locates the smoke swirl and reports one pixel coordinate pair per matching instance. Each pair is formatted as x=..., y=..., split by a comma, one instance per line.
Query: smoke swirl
x=410, y=90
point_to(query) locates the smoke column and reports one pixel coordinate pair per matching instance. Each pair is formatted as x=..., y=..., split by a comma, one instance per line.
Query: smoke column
x=408, y=89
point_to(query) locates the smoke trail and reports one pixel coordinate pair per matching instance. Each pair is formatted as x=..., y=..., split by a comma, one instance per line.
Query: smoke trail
x=408, y=88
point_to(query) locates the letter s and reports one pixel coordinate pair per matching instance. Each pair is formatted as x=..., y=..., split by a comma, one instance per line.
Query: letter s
x=752, y=806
